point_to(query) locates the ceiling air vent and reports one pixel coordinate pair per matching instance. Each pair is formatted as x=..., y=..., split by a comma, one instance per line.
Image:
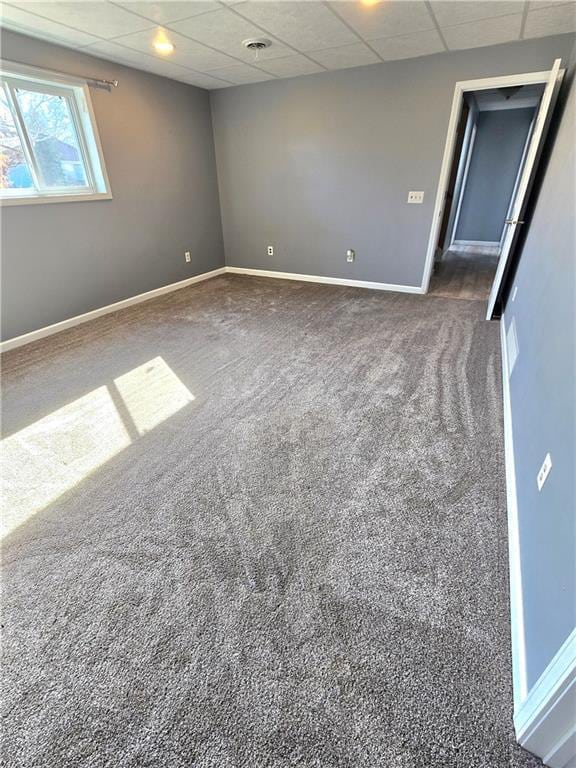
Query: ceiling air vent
x=256, y=44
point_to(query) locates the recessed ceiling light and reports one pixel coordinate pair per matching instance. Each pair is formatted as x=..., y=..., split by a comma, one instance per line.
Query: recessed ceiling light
x=162, y=45
x=370, y=2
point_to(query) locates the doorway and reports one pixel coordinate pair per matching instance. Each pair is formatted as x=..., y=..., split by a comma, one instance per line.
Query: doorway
x=492, y=136
x=495, y=135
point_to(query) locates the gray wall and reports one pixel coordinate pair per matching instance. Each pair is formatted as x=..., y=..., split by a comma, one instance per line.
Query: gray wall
x=318, y=164
x=496, y=155
x=543, y=395
x=63, y=259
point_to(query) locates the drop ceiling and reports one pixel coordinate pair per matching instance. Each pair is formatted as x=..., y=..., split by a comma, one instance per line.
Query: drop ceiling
x=307, y=37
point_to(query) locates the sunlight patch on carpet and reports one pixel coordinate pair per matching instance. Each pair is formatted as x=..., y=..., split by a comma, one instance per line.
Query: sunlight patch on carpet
x=54, y=454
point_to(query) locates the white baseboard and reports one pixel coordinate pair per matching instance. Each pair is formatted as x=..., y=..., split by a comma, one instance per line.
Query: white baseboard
x=27, y=338
x=325, y=280
x=545, y=723
x=545, y=715
x=516, y=601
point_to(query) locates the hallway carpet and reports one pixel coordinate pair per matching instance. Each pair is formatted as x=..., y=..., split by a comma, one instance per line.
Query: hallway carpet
x=259, y=523
x=464, y=275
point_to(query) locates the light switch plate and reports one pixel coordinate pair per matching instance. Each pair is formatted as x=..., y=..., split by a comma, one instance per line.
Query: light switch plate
x=416, y=197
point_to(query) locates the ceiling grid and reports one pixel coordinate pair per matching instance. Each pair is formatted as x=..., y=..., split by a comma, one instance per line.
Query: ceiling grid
x=307, y=36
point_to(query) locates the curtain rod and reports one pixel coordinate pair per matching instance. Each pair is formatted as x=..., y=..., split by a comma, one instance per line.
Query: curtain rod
x=106, y=84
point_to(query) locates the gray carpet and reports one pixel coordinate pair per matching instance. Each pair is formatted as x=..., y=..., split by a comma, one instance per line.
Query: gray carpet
x=305, y=565
x=464, y=274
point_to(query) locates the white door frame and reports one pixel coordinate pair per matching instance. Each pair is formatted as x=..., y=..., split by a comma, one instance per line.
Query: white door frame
x=461, y=87
x=464, y=179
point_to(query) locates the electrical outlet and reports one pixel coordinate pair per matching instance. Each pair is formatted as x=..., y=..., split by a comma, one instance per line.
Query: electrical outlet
x=544, y=471
x=187, y=256
x=350, y=255
x=416, y=197
x=270, y=250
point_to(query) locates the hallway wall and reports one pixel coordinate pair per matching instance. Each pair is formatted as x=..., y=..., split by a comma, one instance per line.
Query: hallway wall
x=496, y=156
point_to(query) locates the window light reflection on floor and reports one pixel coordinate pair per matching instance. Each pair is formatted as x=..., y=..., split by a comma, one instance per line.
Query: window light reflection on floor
x=55, y=453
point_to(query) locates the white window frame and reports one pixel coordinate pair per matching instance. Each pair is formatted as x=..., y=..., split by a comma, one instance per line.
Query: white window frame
x=77, y=93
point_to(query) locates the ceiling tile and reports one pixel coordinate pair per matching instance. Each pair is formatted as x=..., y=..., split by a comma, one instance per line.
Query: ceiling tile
x=357, y=55
x=536, y=5
x=187, y=52
x=92, y=17
x=554, y=20
x=163, y=68
x=106, y=49
x=113, y=52
x=168, y=10
x=36, y=26
x=449, y=13
x=203, y=81
x=409, y=46
x=484, y=32
x=303, y=25
x=241, y=74
x=385, y=19
x=226, y=30
x=291, y=66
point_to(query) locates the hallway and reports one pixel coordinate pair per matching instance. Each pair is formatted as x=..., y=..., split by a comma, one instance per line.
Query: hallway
x=465, y=273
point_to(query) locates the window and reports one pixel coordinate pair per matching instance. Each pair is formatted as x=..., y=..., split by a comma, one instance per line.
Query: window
x=49, y=147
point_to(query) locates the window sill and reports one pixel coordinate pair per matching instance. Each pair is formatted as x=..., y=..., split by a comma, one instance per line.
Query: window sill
x=9, y=201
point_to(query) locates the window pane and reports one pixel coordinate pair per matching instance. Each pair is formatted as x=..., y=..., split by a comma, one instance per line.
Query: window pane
x=52, y=133
x=14, y=171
